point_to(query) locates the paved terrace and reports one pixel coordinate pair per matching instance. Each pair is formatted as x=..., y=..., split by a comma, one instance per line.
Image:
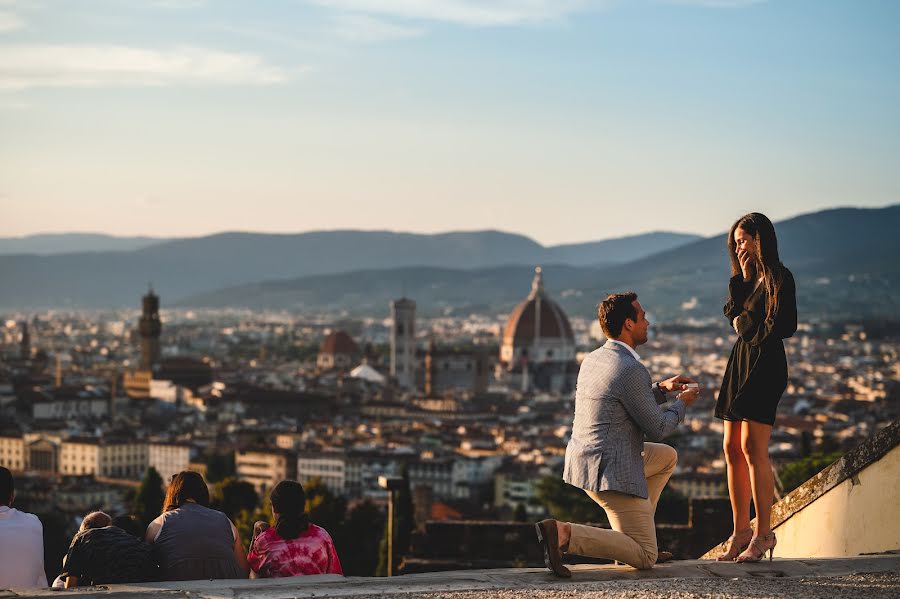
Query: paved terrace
x=871, y=577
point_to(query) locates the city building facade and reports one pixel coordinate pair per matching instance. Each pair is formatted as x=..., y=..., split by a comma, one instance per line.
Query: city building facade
x=168, y=459
x=265, y=468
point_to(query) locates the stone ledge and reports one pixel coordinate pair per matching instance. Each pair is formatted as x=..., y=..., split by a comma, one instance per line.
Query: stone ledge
x=531, y=579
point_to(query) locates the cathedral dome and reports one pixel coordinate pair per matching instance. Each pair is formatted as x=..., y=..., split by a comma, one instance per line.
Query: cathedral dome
x=338, y=342
x=537, y=318
x=537, y=351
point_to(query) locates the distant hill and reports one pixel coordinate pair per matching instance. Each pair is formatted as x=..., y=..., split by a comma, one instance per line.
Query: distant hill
x=492, y=290
x=619, y=250
x=844, y=261
x=186, y=267
x=65, y=243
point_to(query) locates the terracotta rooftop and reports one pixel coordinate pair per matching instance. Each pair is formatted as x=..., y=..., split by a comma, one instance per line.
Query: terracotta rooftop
x=338, y=342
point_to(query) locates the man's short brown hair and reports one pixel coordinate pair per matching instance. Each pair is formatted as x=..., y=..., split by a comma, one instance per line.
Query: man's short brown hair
x=614, y=310
x=95, y=520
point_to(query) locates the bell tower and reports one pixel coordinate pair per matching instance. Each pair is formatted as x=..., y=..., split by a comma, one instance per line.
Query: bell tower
x=403, y=342
x=150, y=329
x=25, y=343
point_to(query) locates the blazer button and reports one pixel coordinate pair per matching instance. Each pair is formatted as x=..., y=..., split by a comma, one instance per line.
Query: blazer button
x=642, y=454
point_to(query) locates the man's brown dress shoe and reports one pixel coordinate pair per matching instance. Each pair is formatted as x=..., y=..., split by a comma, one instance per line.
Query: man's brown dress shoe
x=548, y=536
x=663, y=557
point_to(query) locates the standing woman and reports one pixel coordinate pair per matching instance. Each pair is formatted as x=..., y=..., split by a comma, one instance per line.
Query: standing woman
x=762, y=309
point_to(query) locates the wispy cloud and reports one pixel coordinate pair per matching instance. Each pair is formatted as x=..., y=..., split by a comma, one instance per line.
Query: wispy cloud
x=10, y=22
x=26, y=66
x=478, y=13
x=717, y=3
x=281, y=36
x=367, y=29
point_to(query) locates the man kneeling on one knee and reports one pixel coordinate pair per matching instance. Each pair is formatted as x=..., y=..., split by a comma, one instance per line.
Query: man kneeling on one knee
x=616, y=406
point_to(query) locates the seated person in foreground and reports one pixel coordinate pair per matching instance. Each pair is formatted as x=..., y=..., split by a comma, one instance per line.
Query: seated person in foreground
x=21, y=541
x=92, y=520
x=192, y=541
x=294, y=546
x=108, y=552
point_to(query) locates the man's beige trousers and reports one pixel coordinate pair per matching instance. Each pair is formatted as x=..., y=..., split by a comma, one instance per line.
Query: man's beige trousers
x=632, y=539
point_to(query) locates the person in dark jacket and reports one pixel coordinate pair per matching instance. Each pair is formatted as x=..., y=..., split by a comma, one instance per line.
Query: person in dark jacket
x=762, y=309
x=110, y=553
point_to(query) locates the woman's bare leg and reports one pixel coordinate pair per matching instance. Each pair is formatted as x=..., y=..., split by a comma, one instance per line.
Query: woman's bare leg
x=738, y=475
x=755, y=445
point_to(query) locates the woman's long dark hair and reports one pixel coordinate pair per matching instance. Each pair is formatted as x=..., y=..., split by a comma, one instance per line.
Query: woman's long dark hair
x=289, y=503
x=762, y=230
x=184, y=486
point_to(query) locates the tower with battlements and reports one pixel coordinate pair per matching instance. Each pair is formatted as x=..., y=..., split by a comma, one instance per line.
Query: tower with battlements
x=25, y=343
x=150, y=329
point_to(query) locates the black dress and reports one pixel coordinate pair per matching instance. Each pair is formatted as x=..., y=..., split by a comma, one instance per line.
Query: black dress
x=756, y=375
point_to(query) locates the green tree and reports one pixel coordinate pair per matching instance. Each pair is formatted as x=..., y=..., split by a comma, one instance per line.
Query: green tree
x=567, y=503
x=806, y=443
x=325, y=509
x=148, y=501
x=796, y=473
x=233, y=496
x=219, y=466
x=404, y=524
x=359, y=540
x=245, y=520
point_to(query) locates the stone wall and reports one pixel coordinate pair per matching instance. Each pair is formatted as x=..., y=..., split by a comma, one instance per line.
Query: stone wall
x=466, y=545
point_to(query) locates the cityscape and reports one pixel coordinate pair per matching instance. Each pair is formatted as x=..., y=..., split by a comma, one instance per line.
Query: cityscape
x=475, y=412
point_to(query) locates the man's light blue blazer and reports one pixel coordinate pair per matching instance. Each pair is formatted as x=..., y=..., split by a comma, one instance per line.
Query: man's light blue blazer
x=615, y=407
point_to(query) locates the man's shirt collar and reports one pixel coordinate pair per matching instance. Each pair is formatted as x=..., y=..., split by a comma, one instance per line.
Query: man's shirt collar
x=628, y=347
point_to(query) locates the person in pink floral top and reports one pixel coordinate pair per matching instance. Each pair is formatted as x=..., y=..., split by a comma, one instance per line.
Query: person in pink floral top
x=294, y=546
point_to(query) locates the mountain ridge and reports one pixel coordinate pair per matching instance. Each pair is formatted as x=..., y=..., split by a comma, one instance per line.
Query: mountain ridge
x=844, y=259
x=184, y=267
x=693, y=274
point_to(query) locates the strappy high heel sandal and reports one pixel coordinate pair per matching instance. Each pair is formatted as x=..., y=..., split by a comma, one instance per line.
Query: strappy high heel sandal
x=758, y=547
x=736, y=544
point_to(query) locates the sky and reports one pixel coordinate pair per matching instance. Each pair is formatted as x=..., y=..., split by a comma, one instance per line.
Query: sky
x=563, y=120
